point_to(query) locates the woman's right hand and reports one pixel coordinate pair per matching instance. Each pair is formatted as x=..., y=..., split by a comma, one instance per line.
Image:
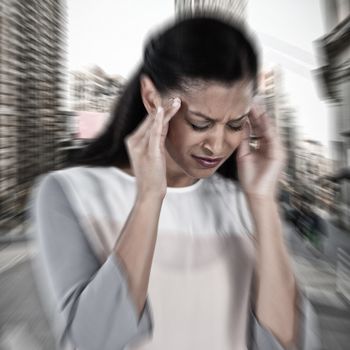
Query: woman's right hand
x=146, y=150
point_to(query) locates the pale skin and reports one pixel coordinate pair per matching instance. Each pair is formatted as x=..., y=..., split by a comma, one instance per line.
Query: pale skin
x=161, y=150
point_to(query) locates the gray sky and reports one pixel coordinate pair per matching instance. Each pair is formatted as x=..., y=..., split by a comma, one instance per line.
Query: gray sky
x=287, y=30
x=110, y=33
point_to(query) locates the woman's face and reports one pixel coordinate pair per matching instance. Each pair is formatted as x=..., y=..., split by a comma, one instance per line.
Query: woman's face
x=208, y=124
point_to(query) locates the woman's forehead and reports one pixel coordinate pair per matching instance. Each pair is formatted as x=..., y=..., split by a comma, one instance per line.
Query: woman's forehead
x=215, y=98
x=215, y=90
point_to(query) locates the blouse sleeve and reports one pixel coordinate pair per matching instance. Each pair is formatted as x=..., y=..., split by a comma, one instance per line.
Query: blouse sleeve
x=260, y=338
x=308, y=333
x=94, y=299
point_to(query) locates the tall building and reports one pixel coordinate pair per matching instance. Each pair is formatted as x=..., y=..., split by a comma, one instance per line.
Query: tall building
x=334, y=83
x=270, y=88
x=283, y=115
x=228, y=8
x=311, y=166
x=93, y=90
x=33, y=115
x=92, y=95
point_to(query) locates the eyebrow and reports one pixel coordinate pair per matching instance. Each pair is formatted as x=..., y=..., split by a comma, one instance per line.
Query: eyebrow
x=199, y=114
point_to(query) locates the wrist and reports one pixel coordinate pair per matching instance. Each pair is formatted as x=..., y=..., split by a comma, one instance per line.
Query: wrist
x=154, y=197
x=261, y=198
x=261, y=203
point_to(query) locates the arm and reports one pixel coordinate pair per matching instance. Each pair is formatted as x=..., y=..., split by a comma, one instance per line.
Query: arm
x=280, y=307
x=94, y=300
x=276, y=286
x=261, y=336
x=136, y=243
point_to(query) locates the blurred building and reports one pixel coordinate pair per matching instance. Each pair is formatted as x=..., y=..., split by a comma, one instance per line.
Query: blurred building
x=33, y=117
x=288, y=131
x=270, y=88
x=93, y=90
x=311, y=167
x=92, y=95
x=228, y=8
x=334, y=86
x=279, y=109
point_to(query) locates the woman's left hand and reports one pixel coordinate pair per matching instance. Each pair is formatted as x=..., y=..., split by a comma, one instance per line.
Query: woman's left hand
x=259, y=169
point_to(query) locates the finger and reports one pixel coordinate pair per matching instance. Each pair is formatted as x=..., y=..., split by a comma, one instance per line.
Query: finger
x=144, y=141
x=266, y=127
x=262, y=127
x=156, y=131
x=255, y=121
x=169, y=110
x=271, y=141
x=244, y=148
x=259, y=107
x=148, y=128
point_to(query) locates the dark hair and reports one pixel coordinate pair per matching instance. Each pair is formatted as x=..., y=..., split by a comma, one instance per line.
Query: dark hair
x=203, y=48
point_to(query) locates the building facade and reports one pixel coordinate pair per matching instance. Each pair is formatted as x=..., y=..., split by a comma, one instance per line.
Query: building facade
x=278, y=108
x=235, y=9
x=33, y=115
x=334, y=82
x=93, y=90
x=92, y=96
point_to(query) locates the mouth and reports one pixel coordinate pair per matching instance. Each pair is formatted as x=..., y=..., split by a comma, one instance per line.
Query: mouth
x=207, y=162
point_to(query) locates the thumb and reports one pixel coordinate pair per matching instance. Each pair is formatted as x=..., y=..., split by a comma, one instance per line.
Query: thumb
x=244, y=148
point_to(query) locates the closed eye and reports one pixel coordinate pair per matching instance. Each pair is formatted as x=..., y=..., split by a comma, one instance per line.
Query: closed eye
x=202, y=128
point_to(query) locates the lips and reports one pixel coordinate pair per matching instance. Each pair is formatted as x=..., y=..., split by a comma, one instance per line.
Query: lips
x=207, y=162
x=209, y=159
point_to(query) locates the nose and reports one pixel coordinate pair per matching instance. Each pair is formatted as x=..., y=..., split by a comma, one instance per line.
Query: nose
x=215, y=142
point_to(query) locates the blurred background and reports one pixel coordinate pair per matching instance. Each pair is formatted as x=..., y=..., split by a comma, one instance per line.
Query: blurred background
x=63, y=64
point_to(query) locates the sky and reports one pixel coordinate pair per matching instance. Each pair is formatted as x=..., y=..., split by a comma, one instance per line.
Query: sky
x=287, y=30
x=111, y=34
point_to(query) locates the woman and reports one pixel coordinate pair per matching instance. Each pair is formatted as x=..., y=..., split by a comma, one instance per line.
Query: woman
x=165, y=234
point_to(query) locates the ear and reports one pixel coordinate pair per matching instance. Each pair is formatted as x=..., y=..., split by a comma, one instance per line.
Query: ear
x=150, y=95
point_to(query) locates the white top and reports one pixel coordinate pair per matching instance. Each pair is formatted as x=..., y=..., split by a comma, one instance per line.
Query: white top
x=200, y=288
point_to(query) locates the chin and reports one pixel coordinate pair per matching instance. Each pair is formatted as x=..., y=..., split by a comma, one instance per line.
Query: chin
x=197, y=173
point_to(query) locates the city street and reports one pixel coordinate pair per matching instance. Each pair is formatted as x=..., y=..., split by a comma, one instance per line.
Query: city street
x=24, y=326
x=317, y=276
x=270, y=81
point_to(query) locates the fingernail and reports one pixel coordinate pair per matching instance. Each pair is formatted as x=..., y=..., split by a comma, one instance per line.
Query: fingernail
x=176, y=102
x=159, y=108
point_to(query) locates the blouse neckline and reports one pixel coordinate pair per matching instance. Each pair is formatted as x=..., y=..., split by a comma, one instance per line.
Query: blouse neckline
x=183, y=189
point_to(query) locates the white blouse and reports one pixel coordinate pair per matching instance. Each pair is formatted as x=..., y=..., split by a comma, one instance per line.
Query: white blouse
x=200, y=290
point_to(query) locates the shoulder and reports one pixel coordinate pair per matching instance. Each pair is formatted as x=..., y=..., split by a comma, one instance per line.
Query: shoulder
x=47, y=193
x=77, y=178
x=45, y=185
x=49, y=182
x=48, y=189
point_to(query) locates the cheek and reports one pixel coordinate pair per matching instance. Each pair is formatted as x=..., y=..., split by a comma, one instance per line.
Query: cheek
x=180, y=135
x=235, y=139
x=175, y=135
x=185, y=140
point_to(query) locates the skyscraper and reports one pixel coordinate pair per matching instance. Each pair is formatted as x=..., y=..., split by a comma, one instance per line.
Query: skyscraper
x=334, y=81
x=32, y=94
x=235, y=9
